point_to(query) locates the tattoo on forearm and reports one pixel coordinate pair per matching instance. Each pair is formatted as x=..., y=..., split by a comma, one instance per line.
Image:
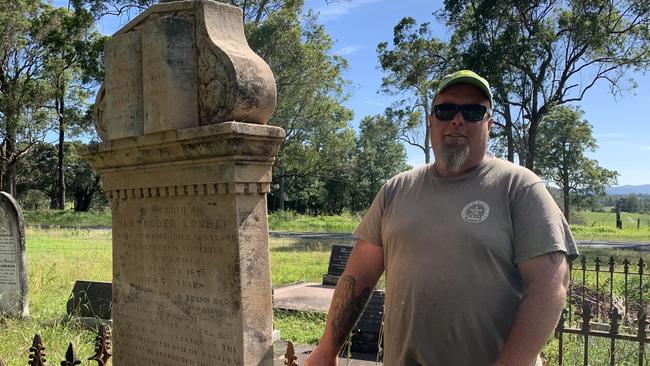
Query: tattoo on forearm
x=346, y=308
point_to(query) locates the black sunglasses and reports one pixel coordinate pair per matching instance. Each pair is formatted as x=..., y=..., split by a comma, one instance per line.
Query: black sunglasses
x=470, y=112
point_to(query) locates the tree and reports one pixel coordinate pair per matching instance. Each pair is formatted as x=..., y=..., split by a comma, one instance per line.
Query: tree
x=311, y=91
x=379, y=156
x=23, y=91
x=564, y=138
x=412, y=67
x=72, y=64
x=549, y=53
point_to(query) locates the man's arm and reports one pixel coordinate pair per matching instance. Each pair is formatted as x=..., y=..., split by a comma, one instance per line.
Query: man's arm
x=546, y=278
x=365, y=266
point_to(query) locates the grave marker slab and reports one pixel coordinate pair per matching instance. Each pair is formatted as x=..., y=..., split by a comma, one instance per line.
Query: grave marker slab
x=90, y=299
x=13, y=261
x=338, y=259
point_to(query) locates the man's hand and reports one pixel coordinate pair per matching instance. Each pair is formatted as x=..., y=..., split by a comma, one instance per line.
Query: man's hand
x=546, y=278
x=365, y=266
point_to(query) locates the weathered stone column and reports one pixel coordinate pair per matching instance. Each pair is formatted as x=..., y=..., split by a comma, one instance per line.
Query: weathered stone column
x=191, y=275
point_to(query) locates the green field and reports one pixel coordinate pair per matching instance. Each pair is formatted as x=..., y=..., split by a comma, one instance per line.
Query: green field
x=56, y=258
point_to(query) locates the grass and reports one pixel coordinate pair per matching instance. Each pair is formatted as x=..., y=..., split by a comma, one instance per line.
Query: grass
x=59, y=257
x=589, y=225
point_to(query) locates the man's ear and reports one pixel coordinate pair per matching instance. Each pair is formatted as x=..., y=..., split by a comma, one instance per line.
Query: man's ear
x=430, y=120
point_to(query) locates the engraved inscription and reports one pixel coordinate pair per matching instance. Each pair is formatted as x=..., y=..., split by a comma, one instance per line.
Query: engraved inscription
x=123, y=60
x=170, y=78
x=177, y=277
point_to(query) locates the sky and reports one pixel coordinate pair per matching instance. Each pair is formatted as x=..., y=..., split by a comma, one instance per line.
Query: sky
x=620, y=125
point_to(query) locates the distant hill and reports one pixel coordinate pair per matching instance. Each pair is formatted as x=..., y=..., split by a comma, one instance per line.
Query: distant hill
x=642, y=189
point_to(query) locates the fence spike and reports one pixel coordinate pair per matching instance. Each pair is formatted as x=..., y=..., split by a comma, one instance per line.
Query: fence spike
x=290, y=356
x=626, y=265
x=641, y=265
x=70, y=357
x=560, y=324
x=102, y=346
x=583, y=262
x=37, y=356
x=597, y=261
x=614, y=321
x=612, y=263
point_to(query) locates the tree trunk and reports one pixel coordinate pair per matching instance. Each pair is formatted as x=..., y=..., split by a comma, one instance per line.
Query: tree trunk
x=427, y=135
x=60, y=203
x=508, y=130
x=566, y=198
x=60, y=104
x=9, y=176
x=281, y=193
x=532, y=141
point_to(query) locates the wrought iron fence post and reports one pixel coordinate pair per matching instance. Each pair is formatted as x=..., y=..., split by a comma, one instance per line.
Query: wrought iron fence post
x=290, y=355
x=597, y=267
x=560, y=335
x=586, y=326
x=626, y=272
x=102, y=346
x=614, y=321
x=37, y=355
x=70, y=357
x=642, y=323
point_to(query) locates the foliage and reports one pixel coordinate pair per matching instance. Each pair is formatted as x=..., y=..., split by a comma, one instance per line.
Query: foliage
x=23, y=88
x=36, y=173
x=546, y=53
x=412, y=68
x=564, y=138
x=379, y=156
x=319, y=141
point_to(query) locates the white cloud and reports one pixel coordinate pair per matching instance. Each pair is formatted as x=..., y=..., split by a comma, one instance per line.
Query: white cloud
x=348, y=50
x=341, y=8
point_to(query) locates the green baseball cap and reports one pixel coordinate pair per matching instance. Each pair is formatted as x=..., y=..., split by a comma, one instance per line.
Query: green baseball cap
x=465, y=77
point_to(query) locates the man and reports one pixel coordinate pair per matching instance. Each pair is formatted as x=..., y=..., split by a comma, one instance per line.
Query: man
x=474, y=250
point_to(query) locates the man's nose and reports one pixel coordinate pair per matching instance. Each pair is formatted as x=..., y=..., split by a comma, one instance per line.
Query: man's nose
x=458, y=119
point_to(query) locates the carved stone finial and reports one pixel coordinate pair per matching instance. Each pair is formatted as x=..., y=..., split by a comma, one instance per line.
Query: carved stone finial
x=182, y=64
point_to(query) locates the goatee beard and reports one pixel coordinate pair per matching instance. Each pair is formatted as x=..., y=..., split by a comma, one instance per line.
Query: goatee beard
x=453, y=157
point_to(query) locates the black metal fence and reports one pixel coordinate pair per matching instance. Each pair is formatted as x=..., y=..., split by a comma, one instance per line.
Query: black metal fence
x=37, y=352
x=605, y=322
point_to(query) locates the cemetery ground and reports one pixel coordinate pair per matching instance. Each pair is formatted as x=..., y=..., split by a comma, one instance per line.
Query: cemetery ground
x=59, y=257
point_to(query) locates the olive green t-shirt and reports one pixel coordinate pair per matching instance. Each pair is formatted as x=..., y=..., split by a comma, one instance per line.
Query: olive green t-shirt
x=451, y=247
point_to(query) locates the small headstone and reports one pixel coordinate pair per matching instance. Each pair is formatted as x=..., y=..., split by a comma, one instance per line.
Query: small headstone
x=91, y=299
x=338, y=259
x=13, y=261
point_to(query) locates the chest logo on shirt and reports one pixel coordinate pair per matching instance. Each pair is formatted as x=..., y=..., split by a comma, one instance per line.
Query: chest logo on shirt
x=475, y=212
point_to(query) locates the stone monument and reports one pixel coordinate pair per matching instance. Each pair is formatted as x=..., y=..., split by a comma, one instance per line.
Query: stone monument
x=186, y=159
x=13, y=261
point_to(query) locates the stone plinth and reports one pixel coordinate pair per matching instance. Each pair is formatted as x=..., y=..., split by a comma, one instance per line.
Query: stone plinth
x=191, y=275
x=13, y=261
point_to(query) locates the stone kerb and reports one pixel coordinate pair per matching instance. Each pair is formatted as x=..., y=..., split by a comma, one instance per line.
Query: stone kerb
x=186, y=159
x=14, y=299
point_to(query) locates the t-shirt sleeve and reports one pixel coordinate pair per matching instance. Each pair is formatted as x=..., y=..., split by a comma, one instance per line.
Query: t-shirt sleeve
x=539, y=227
x=369, y=229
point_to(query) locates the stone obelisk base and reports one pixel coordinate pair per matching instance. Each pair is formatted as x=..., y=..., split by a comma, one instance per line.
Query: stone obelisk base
x=191, y=275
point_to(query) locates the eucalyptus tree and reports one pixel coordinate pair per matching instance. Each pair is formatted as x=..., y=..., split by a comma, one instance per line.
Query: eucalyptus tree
x=412, y=68
x=72, y=65
x=564, y=139
x=23, y=90
x=545, y=53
